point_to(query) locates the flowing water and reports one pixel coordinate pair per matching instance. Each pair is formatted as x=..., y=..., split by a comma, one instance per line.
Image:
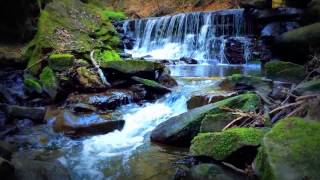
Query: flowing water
x=199, y=35
x=129, y=154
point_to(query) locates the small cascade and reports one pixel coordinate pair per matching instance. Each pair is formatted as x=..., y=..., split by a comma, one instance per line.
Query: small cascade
x=203, y=36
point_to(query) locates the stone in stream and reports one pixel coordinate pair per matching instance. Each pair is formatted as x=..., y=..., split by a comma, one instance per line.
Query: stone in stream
x=35, y=113
x=152, y=85
x=85, y=124
x=202, y=99
x=189, y=60
x=109, y=99
x=180, y=130
x=285, y=71
x=246, y=82
x=236, y=145
x=290, y=151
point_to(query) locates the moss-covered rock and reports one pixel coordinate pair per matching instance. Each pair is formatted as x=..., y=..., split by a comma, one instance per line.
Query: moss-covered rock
x=59, y=62
x=220, y=145
x=114, y=15
x=49, y=82
x=132, y=66
x=290, y=151
x=281, y=70
x=153, y=85
x=66, y=26
x=246, y=82
x=88, y=79
x=308, y=87
x=108, y=55
x=180, y=130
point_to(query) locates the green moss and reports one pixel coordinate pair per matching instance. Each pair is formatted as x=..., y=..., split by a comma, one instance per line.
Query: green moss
x=108, y=55
x=290, y=149
x=284, y=71
x=114, y=15
x=60, y=62
x=220, y=145
x=132, y=66
x=32, y=84
x=49, y=82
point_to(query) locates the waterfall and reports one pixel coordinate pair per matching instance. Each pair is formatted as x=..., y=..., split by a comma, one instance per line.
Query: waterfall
x=199, y=35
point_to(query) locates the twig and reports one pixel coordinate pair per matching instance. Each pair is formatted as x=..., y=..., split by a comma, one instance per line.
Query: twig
x=301, y=108
x=307, y=97
x=95, y=64
x=286, y=106
x=39, y=61
x=234, y=168
x=231, y=123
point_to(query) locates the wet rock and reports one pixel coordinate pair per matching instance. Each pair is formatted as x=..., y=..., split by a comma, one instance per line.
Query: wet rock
x=246, y=82
x=6, y=169
x=308, y=87
x=204, y=99
x=275, y=29
x=60, y=62
x=285, y=71
x=11, y=87
x=234, y=50
x=132, y=67
x=257, y=4
x=86, y=124
x=207, y=171
x=180, y=130
x=35, y=113
x=89, y=79
x=295, y=44
x=166, y=80
x=290, y=151
x=110, y=99
x=189, y=60
x=125, y=55
x=152, y=85
x=38, y=170
x=226, y=145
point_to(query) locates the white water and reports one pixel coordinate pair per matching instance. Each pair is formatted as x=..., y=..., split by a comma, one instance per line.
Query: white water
x=98, y=152
x=199, y=35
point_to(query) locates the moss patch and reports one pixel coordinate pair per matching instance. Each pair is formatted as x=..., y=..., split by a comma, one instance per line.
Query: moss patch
x=290, y=151
x=32, y=84
x=220, y=145
x=114, y=15
x=281, y=70
x=132, y=66
x=61, y=62
x=49, y=82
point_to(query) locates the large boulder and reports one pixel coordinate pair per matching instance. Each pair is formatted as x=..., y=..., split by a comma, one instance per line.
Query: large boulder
x=290, y=151
x=295, y=44
x=85, y=124
x=152, y=85
x=180, y=130
x=247, y=82
x=287, y=71
x=216, y=122
x=202, y=99
x=257, y=4
x=225, y=145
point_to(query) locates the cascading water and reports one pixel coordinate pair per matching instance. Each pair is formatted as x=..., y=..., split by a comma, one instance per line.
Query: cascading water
x=199, y=35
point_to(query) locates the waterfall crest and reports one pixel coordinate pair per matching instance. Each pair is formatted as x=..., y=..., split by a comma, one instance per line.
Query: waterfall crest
x=199, y=35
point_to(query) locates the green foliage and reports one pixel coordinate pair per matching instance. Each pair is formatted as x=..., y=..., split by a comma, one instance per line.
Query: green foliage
x=108, y=55
x=32, y=84
x=114, y=15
